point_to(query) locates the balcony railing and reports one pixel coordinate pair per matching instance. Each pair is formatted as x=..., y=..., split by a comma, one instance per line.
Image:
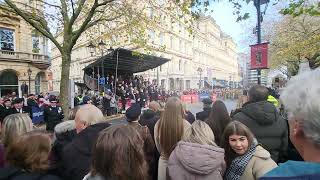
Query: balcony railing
x=23, y=56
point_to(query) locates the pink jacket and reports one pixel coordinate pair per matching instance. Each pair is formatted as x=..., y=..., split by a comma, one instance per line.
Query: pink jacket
x=190, y=161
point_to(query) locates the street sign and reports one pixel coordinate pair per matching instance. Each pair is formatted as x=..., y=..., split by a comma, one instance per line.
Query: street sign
x=102, y=81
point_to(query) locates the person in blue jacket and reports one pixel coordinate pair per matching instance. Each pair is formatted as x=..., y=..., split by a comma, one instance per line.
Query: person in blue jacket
x=301, y=98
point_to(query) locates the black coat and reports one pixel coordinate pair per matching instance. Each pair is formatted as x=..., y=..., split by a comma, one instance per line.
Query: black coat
x=11, y=173
x=203, y=115
x=14, y=111
x=52, y=117
x=189, y=117
x=270, y=129
x=76, y=157
x=149, y=118
x=3, y=112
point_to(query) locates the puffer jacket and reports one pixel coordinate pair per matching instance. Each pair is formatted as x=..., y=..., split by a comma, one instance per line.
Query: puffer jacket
x=191, y=161
x=270, y=129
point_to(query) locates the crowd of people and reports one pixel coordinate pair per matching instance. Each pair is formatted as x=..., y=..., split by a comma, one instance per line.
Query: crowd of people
x=170, y=143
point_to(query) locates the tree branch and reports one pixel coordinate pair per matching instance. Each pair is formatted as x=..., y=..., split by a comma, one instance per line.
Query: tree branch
x=83, y=27
x=27, y=17
x=77, y=12
x=64, y=12
x=49, y=4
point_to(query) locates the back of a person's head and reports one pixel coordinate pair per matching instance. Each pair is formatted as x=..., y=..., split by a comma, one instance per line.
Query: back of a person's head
x=154, y=106
x=199, y=133
x=30, y=152
x=14, y=126
x=118, y=154
x=258, y=93
x=218, y=119
x=171, y=125
x=301, y=99
x=89, y=114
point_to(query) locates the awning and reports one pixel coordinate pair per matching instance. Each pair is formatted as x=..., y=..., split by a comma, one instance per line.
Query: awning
x=129, y=62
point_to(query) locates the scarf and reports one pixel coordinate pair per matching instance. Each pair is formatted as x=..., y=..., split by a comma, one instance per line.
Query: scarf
x=238, y=165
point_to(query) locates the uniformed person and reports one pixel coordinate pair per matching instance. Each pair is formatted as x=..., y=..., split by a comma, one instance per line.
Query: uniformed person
x=53, y=114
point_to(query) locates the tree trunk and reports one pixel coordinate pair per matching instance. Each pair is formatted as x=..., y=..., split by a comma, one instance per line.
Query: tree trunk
x=64, y=83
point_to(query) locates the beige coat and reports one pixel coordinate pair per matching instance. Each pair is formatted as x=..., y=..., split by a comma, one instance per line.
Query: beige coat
x=163, y=163
x=259, y=164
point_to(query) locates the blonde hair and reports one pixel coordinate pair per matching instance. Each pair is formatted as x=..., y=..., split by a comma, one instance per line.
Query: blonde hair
x=200, y=133
x=14, y=126
x=89, y=114
x=171, y=126
x=154, y=106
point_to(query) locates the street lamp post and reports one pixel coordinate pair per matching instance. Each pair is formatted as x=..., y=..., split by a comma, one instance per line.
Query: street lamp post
x=29, y=74
x=200, y=73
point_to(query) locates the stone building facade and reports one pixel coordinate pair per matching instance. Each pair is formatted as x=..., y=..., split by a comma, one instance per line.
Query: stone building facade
x=23, y=56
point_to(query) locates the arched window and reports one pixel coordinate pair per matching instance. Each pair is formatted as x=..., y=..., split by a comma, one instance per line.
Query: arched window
x=8, y=82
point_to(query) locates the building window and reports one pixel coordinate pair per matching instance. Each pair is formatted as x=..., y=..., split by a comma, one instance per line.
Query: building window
x=171, y=42
x=161, y=68
x=35, y=42
x=180, y=45
x=37, y=83
x=150, y=13
x=7, y=39
x=151, y=35
x=161, y=39
x=180, y=65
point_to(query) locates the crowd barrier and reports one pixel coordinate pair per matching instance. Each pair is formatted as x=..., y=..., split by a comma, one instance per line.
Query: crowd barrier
x=194, y=98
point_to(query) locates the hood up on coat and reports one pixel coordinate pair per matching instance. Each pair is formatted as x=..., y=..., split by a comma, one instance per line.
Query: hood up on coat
x=263, y=112
x=199, y=159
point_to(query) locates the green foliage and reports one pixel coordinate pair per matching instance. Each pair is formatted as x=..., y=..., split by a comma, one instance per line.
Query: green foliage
x=295, y=39
x=302, y=7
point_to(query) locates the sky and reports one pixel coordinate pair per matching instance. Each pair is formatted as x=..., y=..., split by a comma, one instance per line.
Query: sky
x=241, y=32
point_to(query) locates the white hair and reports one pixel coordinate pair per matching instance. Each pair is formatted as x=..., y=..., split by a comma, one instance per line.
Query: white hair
x=301, y=98
x=89, y=114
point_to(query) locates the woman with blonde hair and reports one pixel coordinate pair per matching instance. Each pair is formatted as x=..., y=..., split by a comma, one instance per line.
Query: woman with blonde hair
x=196, y=156
x=245, y=158
x=168, y=132
x=13, y=126
x=27, y=158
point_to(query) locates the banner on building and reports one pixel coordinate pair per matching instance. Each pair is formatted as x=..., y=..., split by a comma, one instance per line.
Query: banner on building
x=259, y=56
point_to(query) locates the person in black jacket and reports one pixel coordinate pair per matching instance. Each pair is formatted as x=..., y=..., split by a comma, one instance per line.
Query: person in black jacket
x=150, y=116
x=53, y=114
x=203, y=115
x=76, y=156
x=17, y=107
x=27, y=158
x=263, y=119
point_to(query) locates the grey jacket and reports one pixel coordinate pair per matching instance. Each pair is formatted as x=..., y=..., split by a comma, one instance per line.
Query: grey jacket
x=191, y=161
x=270, y=129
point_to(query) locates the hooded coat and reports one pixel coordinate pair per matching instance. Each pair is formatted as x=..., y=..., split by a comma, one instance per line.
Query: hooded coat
x=259, y=164
x=76, y=156
x=191, y=161
x=270, y=129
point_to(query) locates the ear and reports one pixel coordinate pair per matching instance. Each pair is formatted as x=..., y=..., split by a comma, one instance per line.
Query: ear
x=298, y=129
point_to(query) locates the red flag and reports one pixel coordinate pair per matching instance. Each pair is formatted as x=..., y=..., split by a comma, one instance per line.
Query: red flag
x=259, y=56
